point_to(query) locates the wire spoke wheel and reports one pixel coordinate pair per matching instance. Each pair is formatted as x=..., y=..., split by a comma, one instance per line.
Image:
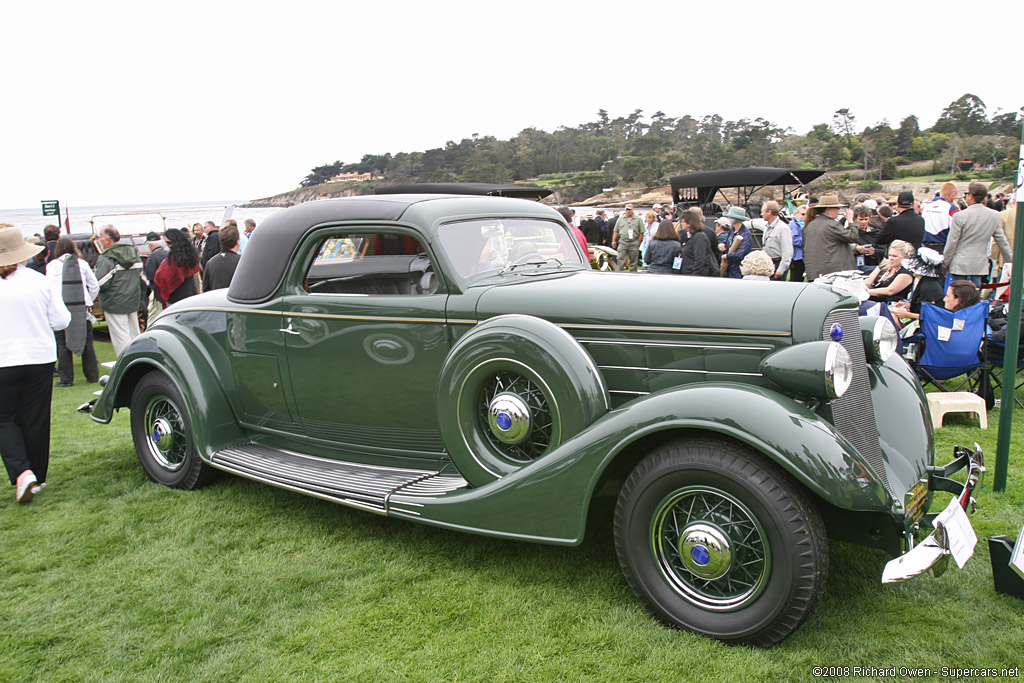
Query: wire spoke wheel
x=715, y=538
x=166, y=438
x=710, y=548
x=537, y=416
x=163, y=436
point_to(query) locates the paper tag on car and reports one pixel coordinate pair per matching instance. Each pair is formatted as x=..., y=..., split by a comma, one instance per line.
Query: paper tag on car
x=958, y=324
x=677, y=263
x=959, y=532
x=944, y=333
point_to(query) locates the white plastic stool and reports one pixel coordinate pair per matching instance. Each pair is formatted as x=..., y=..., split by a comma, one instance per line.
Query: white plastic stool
x=942, y=402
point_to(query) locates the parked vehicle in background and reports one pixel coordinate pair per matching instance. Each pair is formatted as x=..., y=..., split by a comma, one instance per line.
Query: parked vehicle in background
x=705, y=188
x=454, y=361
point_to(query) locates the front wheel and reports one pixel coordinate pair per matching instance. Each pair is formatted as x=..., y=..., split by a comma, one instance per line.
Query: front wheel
x=714, y=539
x=163, y=435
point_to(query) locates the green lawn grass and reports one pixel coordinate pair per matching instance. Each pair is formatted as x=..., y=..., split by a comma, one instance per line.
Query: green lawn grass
x=107, y=576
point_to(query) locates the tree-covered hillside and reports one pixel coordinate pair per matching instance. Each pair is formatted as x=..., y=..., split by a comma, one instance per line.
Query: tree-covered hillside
x=637, y=150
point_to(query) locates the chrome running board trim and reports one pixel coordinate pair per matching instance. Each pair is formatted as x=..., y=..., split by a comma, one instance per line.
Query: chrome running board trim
x=367, y=487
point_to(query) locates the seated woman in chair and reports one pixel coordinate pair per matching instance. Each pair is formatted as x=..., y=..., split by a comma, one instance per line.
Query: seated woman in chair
x=929, y=274
x=890, y=281
x=961, y=294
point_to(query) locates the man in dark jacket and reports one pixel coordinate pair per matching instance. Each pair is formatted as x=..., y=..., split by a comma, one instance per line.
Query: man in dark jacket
x=221, y=268
x=119, y=272
x=603, y=230
x=907, y=225
x=212, y=243
x=157, y=254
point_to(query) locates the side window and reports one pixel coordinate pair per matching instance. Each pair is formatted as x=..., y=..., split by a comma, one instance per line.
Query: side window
x=371, y=264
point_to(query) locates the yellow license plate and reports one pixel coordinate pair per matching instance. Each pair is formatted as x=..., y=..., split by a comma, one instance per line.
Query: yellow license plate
x=916, y=499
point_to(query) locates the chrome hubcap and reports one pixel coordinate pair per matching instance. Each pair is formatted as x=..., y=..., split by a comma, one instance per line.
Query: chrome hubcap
x=704, y=550
x=509, y=418
x=515, y=417
x=163, y=435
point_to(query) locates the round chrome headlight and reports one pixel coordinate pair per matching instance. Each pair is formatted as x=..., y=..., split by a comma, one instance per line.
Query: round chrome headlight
x=880, y=338
x=838, y=370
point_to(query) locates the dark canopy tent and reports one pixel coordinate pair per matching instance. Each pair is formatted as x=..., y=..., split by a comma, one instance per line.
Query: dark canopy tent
x=701, y=188
x=483, y=189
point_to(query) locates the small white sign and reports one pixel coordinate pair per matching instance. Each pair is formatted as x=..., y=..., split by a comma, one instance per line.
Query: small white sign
x=958, y=323
x=1017, y=556
x=944, y=333
x=959, y=532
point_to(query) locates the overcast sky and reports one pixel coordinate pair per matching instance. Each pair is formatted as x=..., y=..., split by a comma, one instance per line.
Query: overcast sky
x=134, y=102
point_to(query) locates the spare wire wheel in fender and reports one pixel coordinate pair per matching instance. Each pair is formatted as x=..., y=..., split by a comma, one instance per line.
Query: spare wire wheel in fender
x=512, y=389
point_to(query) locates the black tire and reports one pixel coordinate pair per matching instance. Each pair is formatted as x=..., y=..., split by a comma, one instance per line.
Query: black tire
x=162, y=432
x=771, y=561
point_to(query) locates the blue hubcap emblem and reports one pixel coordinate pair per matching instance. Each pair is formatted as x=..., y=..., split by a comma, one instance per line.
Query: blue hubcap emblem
x=504, y=421
x=700, y=555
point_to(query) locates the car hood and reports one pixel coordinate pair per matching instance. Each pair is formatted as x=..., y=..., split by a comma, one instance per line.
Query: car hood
x=670, y=302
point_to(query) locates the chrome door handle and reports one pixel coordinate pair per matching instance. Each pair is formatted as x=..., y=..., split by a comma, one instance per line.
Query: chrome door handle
x=289, y=330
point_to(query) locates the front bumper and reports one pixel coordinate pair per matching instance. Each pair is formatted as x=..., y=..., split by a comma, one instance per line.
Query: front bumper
x=953, y=535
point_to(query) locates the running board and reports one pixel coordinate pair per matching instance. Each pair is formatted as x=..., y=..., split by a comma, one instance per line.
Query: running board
x=363, y=486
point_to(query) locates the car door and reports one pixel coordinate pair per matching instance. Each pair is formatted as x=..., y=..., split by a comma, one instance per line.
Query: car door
x=366, y=336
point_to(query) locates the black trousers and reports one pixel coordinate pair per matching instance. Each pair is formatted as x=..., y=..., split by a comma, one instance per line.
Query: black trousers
x=796, y=271
x=25, y=393
x=66, y=359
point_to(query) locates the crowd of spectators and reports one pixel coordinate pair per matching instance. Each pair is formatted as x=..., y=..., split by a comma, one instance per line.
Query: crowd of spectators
x=815, y=236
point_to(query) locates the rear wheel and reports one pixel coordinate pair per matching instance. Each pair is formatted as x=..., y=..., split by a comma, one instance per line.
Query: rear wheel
x=163, y=437
x=715, y=539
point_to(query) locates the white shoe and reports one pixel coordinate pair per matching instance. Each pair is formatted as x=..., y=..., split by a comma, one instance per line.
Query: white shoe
x=27, y=487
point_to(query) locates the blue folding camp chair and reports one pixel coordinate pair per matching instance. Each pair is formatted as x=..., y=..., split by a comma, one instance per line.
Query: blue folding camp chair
x=953, y=347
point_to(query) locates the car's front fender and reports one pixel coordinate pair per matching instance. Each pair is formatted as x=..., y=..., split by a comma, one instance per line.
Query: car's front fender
x=551, y=495
x=163, y=349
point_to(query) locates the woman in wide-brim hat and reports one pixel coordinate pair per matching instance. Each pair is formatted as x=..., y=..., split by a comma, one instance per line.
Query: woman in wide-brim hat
x=738, y=244
x=929, y=274
x=32, y=310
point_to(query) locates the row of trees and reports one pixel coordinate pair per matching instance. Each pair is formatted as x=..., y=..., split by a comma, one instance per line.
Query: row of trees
x=639, y=151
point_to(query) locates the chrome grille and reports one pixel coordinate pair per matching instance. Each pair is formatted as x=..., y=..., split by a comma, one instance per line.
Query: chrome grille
x=854, y=412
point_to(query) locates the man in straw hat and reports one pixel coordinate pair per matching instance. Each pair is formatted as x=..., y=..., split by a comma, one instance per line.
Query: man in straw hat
x=828, y=245
x=32, y=310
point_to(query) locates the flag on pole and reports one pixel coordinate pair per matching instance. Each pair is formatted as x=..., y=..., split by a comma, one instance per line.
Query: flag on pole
x=67, y=219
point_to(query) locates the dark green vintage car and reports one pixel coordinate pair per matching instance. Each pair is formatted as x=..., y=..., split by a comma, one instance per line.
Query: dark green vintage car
x=453, y=360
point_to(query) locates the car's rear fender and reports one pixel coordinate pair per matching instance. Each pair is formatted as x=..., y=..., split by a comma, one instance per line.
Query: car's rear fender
x=213, y=422
x=551, y=496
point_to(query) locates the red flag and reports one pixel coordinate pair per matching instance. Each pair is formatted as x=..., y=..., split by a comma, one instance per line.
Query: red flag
x=67, y=219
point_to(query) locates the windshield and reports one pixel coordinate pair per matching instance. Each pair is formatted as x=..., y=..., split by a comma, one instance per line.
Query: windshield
x=494, y=245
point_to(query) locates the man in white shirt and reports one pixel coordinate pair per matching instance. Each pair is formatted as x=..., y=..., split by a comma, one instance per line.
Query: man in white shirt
x=938, y=216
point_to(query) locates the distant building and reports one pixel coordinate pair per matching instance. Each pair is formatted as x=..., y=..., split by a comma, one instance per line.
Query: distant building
x=350, y=176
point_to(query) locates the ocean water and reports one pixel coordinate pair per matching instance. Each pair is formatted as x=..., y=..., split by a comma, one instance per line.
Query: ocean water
x=133, y=218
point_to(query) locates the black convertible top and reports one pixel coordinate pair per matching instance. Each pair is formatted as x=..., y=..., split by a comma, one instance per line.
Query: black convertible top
x=270, y=249
x=488, y=189
x=701, y=188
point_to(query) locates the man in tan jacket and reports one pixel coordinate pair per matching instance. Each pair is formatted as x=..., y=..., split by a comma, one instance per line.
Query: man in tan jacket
x=967, y=250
